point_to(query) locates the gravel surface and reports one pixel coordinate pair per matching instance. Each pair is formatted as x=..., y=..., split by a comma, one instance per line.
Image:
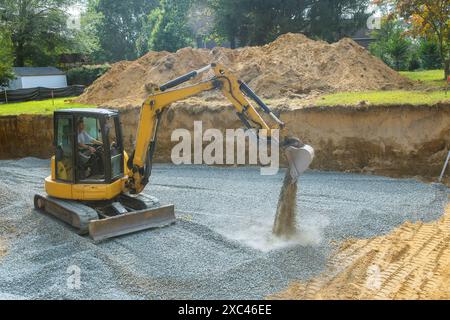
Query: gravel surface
x=221, y=246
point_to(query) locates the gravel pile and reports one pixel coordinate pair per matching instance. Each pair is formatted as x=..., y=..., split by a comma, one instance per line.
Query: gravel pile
x=222, y=245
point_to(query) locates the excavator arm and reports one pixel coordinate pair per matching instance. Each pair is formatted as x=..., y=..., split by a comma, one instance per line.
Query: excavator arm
x=236, y=91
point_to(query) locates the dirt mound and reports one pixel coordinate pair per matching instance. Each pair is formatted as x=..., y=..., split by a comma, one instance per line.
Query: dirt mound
x=412, y=262
x=291, y=65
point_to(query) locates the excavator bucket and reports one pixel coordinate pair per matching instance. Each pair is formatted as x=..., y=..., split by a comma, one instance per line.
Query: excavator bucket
x=131, y=222
x=299, y=159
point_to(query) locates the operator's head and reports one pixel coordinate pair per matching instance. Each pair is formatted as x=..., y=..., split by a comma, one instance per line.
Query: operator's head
x=80, y=125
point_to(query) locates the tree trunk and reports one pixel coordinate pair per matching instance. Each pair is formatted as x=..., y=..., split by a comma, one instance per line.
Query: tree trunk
x=443, y=57
x=446, y=69
x=20, y=57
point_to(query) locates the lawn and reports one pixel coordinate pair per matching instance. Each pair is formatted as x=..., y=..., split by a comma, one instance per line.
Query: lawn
x=432, y=78
x=40, y=107
x=383, y=98
x=429, y=78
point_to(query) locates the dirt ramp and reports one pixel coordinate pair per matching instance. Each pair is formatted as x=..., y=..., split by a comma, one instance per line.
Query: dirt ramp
x=291, y=65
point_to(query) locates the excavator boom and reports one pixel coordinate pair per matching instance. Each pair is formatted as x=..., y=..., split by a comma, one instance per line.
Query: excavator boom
x=237, y=92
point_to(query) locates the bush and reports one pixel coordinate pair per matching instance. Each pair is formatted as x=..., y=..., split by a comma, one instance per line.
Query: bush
x=391, y=45
x=429, y=53
x=86, y=75
x=414, y=59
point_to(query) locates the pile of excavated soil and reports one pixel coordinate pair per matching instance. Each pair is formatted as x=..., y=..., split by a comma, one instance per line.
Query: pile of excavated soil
x=291, y=66
x=412, y=262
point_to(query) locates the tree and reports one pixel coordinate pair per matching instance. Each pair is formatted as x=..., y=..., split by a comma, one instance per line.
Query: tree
x=200, y=20
x=429, y=18
x=429, y=54
x=257, y=22
x=169, y=26
x=330, y=20
x=6, y=58
x=86, y=40
x=229, y=19
x=392, y=45
x=253, y=22
x=38, y=29
x=119, y=27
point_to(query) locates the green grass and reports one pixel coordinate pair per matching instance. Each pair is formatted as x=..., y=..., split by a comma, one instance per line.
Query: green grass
x=383, y=98
x=40, y=107
x=432, y=78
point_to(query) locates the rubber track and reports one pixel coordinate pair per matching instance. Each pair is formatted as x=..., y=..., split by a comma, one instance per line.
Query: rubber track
x=75, y=210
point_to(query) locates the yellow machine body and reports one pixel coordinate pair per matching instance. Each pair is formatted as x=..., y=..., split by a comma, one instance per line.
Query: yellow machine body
x=82, y=192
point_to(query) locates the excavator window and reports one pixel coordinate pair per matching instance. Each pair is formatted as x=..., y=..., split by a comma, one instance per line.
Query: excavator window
x=115, y=148
x=64, y=149
x=90, y=149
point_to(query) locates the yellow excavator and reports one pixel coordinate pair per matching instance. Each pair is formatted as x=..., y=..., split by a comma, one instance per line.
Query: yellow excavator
x=94, y=185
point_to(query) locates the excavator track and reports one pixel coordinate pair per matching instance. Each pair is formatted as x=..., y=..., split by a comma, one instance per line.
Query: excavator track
x=139, y=202
x=74, y=213
x=127, y=214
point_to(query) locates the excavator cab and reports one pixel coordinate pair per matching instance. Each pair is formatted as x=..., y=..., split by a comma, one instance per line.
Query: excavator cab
x=87, y=182
x=89, y=147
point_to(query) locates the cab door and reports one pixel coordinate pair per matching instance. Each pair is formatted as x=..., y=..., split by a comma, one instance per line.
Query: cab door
x=114, y=141
x=64, y=144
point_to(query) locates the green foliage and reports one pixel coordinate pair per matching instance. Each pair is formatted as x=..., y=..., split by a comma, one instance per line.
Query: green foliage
x=429, y=54
x=86, y=75
x=414, y=62
x=119, y=27
x=254, y=22
x=430, y=78
x=6, y=58
x=397, y=49
x=429, y=19
x=169, y=26
x=86, y=39
x=384, y=98
x=40, y=107
x=38, y=29
x=230, y=17
x=330, y=20
x=391, y=45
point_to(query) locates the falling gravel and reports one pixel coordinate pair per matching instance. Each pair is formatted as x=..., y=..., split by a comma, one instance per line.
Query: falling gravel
x=285, y=225
x=222, y=245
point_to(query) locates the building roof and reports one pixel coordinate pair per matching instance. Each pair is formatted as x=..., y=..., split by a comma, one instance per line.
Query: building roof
x=41, y=71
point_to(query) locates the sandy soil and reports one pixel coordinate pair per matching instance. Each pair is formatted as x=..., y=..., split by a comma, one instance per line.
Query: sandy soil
x=412, y=262
x=291, y=66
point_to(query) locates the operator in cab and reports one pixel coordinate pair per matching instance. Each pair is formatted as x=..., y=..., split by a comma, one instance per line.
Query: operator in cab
x=89, y=152
x=84, y=139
